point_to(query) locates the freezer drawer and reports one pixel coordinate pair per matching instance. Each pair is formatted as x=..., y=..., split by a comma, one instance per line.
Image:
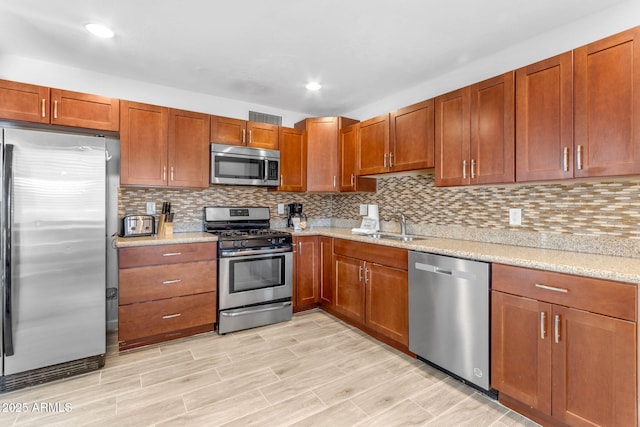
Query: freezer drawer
x=449, y=314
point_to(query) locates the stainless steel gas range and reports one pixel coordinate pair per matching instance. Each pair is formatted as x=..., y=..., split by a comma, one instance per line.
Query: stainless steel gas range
x=255, y=268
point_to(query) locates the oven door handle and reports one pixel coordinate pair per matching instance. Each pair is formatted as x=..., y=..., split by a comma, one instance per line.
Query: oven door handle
x=229, y=254
x=254, y=311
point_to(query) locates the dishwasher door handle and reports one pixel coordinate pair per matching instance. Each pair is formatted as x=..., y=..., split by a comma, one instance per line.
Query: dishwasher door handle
x=432, y=268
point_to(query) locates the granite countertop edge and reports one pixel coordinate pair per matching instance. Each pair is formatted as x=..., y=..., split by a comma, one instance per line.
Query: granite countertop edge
x=621, y=269
x=176, y=238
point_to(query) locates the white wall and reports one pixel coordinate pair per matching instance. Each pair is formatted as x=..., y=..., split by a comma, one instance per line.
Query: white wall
x=42, y=73
x=594, y=27
x=618, y=18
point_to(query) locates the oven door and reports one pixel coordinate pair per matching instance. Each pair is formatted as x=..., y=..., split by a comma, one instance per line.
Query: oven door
x=254, y=279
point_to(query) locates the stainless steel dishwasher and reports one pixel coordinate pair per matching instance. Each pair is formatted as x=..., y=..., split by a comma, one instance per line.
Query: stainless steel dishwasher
x=449, y=315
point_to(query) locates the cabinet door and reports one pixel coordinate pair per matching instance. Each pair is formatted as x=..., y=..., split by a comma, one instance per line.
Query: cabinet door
x=521, y=349
x=20, y=101
x=452, y=138
x=347, y=157
x=84, y=110
x=492, y=131
x=143, y=144
x=412, y=137
x=307, y=283
x=326, y=271
x=387, y=301
x=188, y=145
x=607, y=106
x=225, y=130
x=322, y=154
x=373, y=146
x=348, y=279
x=544, y=119
x=293, y=160
x=263, y=135
x=594, y=369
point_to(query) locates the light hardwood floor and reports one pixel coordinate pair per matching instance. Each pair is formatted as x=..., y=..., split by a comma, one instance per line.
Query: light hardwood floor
x=312, y=371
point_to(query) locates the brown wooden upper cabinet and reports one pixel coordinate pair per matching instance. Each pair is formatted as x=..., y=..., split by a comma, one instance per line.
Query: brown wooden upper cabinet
x=544, y=119
x=607, y=106
x=293, y=160
x=225, y=130
x=373, y=146
x=474, y=142
x=347, y=158
x=163, y=147
x=31, y=103
x=402, y=140
x=322, y=151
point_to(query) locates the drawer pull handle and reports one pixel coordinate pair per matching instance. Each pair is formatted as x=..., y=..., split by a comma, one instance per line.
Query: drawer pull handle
x=169, y=282
x=551, y=288
x=172, y=254
x=557, y=329
x=543, y=325
x=171, y=316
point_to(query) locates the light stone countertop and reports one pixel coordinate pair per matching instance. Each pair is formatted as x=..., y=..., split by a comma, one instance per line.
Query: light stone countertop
x=193, y=237
x=620, y=269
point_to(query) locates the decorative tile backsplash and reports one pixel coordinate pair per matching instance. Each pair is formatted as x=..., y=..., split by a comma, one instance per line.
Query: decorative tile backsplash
x=590, y=208
x=188, y=204
x=601, y=216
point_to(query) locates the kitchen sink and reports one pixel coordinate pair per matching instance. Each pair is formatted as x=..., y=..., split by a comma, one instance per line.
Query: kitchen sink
x=404, y=238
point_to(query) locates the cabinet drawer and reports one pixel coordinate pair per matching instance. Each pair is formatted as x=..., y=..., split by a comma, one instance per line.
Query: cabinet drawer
x=159, y=317
x=379, y=254
x=166, y=281
x=166, y=254
x=596, y=295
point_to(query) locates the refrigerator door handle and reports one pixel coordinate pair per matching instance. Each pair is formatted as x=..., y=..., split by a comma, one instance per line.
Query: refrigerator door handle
x=6, y=231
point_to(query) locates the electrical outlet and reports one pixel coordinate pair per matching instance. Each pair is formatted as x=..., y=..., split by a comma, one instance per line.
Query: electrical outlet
x=280, y=208
x=515, y=216
x=151, y=208
x=364, y=210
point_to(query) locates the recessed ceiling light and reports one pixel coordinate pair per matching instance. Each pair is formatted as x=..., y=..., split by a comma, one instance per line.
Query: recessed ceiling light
x=99, y=30
x=313, y=86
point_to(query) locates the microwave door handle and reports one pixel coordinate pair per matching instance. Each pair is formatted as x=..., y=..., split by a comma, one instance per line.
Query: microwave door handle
x=266, y=170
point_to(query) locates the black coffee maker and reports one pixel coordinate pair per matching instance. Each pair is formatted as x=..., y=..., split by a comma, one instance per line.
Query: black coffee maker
x=294, y=210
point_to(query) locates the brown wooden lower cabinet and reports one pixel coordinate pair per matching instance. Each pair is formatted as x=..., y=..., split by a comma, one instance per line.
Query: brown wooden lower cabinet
x=371, y=287
x=166, y=292
x=306, y=272
x=563, y=354
x=326, y=271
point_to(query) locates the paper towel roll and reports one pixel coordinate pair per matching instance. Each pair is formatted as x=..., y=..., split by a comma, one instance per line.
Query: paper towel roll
x=372, y=212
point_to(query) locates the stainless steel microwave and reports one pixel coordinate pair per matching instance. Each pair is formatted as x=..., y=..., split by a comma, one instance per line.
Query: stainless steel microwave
x=235, y=165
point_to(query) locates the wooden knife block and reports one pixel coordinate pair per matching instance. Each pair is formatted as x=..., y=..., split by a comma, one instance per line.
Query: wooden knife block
x=165, y=229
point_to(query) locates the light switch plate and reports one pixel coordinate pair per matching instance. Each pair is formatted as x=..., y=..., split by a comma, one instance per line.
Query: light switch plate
x=364, y=210
x=151, y=208
x=280, y=208
x=515, y=216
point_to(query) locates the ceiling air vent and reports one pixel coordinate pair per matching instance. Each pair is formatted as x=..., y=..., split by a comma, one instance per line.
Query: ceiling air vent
x=265, y=118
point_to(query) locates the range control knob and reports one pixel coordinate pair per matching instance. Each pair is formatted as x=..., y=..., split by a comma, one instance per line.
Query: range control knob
x=244, y=243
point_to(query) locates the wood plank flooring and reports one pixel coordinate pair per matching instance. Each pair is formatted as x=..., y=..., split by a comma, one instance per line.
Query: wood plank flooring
x=312, y=371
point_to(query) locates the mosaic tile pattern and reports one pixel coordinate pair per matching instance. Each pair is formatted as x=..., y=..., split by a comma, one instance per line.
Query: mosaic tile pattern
x=587, y=208
x=607, y=208
x=188, y=204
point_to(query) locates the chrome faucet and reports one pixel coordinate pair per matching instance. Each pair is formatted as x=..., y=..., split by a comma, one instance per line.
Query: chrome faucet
x=403, y=223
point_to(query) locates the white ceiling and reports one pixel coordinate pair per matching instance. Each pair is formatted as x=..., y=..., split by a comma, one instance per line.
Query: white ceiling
x=264, y=52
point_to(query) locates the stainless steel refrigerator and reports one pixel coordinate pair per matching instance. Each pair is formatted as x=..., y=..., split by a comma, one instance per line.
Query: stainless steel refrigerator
x=53, y=255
